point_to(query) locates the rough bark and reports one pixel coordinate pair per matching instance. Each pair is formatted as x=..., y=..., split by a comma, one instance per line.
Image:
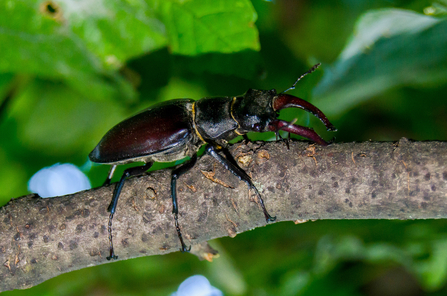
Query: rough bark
x=42, y=238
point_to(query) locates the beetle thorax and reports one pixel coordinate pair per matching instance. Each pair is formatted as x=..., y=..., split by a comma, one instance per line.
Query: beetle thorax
x=213, y=119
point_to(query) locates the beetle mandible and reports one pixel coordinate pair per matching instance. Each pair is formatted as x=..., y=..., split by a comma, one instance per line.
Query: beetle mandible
x=176, y=129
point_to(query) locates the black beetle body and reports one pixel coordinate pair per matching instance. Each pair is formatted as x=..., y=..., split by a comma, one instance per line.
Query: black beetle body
x=176, y=129
x=162, y=133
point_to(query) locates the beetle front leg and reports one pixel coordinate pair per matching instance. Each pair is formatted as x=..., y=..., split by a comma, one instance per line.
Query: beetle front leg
x=116, y=194
x=176, y=173
x=240, y=173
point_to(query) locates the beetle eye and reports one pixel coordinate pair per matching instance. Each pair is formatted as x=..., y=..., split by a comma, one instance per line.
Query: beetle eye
x=256, y=127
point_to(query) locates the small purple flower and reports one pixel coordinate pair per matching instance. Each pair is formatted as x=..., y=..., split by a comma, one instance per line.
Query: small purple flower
x=57, y=180
x=197, y=285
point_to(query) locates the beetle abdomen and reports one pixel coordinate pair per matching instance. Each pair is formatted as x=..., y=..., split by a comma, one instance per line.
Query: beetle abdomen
x=157, y=129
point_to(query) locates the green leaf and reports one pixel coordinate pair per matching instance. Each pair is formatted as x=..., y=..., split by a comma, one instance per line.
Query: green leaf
x=12, y=178
x=433, y=271
x=389, y=48
x=244, y=64
x=195, y=27
x=67, y=38
x=5, y=80
x=83, y=42
x=61, y=122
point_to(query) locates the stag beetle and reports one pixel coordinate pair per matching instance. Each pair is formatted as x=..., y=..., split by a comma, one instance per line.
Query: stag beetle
x=176, y=129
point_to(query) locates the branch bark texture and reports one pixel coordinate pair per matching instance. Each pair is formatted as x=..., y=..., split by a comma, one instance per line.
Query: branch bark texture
x=42, y=238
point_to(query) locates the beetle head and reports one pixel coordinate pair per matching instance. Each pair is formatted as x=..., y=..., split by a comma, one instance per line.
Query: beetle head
x=257, y=111
x=253, y=111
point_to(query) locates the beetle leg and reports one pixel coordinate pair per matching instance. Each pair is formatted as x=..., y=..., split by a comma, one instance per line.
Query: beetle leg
x=245, y=139
x=126, y=174
x=286, y=141
x=109, y=175
x=116, y=193
x=279, y=137
x=240, y=173
x=176, y=173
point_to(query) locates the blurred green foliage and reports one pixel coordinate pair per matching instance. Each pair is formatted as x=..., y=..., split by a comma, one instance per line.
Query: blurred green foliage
x=70, y=70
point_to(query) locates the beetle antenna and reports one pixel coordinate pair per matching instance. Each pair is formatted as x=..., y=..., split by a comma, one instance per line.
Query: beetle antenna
x=299, y=78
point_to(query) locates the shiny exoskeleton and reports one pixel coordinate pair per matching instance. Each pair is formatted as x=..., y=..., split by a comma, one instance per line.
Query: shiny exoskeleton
x=176, y=129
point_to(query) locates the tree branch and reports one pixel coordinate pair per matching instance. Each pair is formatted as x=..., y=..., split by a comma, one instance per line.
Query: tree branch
x=42, y=238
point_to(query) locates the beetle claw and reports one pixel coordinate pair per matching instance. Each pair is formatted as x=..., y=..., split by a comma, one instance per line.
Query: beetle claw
x=112, y=256
x=269, y=218
x=185, y=249
x=306, y=132
x=284, y=101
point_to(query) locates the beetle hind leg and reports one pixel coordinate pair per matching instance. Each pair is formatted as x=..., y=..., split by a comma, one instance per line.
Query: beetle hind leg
x=116, y=193
x=241, y=174
x=176, y=173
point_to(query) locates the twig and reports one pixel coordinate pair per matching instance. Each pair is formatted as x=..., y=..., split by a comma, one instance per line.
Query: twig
x=42, y=238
